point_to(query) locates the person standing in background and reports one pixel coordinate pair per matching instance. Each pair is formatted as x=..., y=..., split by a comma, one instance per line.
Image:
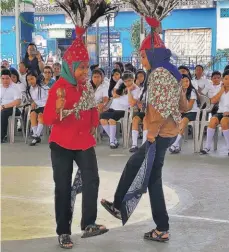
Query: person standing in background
x=33, y=59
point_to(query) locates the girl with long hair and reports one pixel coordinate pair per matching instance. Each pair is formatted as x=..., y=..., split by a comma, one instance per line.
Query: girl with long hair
x=115, y=77
x=190, y=115
x=37, y=95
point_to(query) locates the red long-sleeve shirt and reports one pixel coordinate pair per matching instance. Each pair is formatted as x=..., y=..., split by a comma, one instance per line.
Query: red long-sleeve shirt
x=70, y=133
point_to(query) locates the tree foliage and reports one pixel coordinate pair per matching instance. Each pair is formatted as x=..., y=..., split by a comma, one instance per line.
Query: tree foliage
x=135, y=35
x=7, y=5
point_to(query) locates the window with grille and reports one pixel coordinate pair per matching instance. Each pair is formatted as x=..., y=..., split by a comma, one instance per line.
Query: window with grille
x=224, y=12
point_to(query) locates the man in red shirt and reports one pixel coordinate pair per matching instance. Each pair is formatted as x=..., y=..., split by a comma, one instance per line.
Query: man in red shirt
x=72, y=113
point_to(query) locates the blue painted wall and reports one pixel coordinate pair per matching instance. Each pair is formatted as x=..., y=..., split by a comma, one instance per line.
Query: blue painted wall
x=179, y=19
x=126, y=20
x=194, y=18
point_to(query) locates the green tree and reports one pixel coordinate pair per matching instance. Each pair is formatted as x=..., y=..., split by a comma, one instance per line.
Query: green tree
x=7, y=5
x=135, y=35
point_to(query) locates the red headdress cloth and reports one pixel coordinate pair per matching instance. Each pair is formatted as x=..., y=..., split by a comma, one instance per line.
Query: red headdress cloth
x=75, y=54
x=147, y=42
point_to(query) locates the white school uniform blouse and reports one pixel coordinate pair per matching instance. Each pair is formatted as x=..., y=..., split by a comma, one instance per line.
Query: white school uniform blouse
x=224, y=103
x=195, y=106
x=121, y=102
x=10, y=94
x=201, y=83
x=100, y=93
x=39, y=98
x=211, y=90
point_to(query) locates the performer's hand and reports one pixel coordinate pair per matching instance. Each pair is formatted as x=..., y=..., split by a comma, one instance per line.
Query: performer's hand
x=60, y=104
x=33, y=105
x=92, y=131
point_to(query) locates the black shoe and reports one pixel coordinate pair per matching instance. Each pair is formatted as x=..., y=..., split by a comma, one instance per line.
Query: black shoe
x=204, y=151
x=133, y=149
x=113, y=146
x=4, y=139
x=35, y=141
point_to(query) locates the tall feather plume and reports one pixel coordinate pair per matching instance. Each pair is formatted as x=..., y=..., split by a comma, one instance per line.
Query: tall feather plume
x=158, y=9
x=86, y=12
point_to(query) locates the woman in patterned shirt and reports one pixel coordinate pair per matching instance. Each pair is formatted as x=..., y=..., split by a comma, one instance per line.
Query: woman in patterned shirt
x=144, y=169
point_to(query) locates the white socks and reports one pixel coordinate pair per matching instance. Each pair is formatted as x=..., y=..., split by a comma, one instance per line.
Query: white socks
x=145, y=132
x=210, y=135
x=39, y=129
x=226, y=136
x=107, y=129
x=112, y=133
x=34, y=129
x=177, y=142
x=135, y=137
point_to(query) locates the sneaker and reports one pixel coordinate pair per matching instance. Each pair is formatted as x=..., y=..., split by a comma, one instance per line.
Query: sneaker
x=133, y=149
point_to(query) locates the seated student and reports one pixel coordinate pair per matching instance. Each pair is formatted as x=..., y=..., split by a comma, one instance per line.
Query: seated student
x=16, y=79
x=190, y=115
x=185, y=70
x=213, y=88
x=200, y=82
x=10, y=97
x=140, y=78
x=222, y=116
x=48, y=80
x=23, y=69
x=105, y=80
x=37, y=94
x=128, y=67
x=101, y=90
x=56, y=70
x=138, y=114
x=119, y=66
x=128, y=95
x=115, y=77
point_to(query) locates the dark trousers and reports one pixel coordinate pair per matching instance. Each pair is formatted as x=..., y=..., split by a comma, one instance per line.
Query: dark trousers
x=157, y=200
x=5, y=114
x=62, y=163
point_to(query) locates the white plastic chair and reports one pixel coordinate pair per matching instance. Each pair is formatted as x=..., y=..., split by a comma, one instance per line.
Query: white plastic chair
x=124, y=126
x=196, y=125
x=11, y=125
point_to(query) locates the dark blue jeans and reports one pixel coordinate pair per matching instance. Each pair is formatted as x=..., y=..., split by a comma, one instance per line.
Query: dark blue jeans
x=157, y=200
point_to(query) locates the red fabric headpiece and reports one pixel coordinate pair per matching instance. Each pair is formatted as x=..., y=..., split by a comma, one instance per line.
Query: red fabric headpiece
x=77, y=51
x=146, y=43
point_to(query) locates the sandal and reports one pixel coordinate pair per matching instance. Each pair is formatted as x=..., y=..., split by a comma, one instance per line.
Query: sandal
x=174, y=149
x=65, y=241
x=154, y=236
x=111, y=209
x=204, y=151
x=94, y=230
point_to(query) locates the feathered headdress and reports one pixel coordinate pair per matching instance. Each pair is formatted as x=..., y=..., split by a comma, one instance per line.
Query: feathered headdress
x=153, y=11
x=83, y=14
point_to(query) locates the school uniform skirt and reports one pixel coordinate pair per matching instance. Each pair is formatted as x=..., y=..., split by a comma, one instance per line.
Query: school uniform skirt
x=115, y=115
x=39, y=110
x=191, y=116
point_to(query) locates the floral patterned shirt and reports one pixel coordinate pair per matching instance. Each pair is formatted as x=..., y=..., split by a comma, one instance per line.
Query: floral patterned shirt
x=164, y=93
x=163, y=104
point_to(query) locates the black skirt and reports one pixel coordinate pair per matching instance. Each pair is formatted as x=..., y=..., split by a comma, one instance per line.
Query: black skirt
x=191, y=116
x=115, y=115
x=39, y=110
